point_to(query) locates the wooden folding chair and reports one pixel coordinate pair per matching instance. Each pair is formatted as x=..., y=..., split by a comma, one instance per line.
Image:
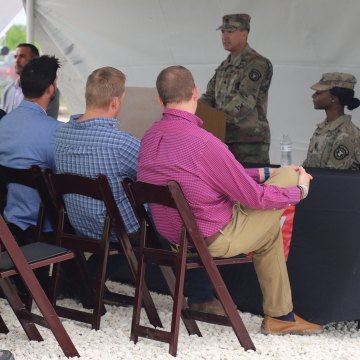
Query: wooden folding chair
x=30, y=177
x=171, y=196
x=97, y=188
x=22, y=261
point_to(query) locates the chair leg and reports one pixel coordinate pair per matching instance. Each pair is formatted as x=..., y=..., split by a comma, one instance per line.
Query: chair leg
x=85, y=289
x=18, y=307
x=229, y=306
x=190, y=324
x=3, y=328
x=178, y=304
x=99, y=293
x=236, y=321
x=54, y=289
x=148, y=302
x=51, y=317
x=139, y=284
x=150, y=309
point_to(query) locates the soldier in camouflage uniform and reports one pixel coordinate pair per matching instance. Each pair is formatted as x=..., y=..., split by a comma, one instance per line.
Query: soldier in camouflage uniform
x=240, y=87
x=335, y=143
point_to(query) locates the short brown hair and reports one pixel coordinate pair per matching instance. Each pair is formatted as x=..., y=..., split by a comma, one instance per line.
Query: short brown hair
x=102, y=85
x=175, y=84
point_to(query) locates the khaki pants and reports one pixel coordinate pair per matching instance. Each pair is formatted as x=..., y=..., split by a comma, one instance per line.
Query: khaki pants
x=258, y=231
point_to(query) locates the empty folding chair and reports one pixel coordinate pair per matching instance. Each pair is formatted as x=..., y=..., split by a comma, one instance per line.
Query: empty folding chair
x=15, y=260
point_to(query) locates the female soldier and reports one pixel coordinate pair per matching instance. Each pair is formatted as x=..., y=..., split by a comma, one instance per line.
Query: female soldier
x=335, y=143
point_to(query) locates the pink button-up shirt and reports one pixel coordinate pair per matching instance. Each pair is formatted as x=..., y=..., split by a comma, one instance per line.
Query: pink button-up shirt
x=177, y=148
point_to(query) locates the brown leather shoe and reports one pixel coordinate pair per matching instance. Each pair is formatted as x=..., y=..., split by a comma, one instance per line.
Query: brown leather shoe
x=280, y=327
x=211, y=307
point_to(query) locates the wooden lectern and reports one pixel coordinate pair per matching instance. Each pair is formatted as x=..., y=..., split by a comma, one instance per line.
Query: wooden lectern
x=141, y=110
x=214, y=120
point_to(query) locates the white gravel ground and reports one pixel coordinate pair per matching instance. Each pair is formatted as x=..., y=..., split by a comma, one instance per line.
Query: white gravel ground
x=339, y=341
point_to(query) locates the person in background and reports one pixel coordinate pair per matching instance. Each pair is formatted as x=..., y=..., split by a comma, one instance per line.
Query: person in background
x=335, y=143
x=27, y=136
x=237, y=209
x=13, y=93
x=240, y=88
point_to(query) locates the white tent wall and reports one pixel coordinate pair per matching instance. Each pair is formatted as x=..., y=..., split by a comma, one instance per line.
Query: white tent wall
x=302, y=38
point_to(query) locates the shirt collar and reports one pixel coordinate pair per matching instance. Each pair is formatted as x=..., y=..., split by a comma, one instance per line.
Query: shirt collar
x=332, y=125
x=95, y=121
x=17, y=83
x=239, y=58
x=185, y=115
x=31, y=105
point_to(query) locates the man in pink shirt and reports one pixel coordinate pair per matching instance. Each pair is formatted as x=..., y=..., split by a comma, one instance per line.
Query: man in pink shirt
x=237, y=209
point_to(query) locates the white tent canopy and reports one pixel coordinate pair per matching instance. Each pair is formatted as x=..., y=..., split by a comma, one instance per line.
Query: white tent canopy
x=303, y=39
x=8, y=10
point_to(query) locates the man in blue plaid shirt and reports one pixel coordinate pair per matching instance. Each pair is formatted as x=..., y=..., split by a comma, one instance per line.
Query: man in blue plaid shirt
x=91, y=144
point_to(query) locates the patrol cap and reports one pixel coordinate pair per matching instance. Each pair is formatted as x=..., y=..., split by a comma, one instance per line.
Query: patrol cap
x=235, y=22
x=335, y=79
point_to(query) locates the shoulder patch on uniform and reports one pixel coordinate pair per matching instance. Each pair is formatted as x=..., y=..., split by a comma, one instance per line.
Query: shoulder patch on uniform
x=254, y=75
x=341, y=152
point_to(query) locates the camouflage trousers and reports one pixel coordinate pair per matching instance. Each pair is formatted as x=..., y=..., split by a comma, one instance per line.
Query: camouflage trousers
x=256, y=152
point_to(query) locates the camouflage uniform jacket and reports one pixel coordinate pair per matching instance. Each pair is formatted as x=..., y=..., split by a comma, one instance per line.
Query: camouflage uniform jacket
x=240, y=87
x=335, y=145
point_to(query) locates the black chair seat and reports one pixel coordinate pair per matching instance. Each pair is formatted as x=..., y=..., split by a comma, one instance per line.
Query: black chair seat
x=33, y=253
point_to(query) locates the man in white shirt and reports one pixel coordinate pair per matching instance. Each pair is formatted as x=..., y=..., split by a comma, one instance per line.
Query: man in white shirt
x=13, y=94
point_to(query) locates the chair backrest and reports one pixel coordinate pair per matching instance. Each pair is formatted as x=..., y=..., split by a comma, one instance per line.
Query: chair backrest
x=97, y=188
x=141, y=214
x=170, y=195
x=31, y=177
x=28, y=177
